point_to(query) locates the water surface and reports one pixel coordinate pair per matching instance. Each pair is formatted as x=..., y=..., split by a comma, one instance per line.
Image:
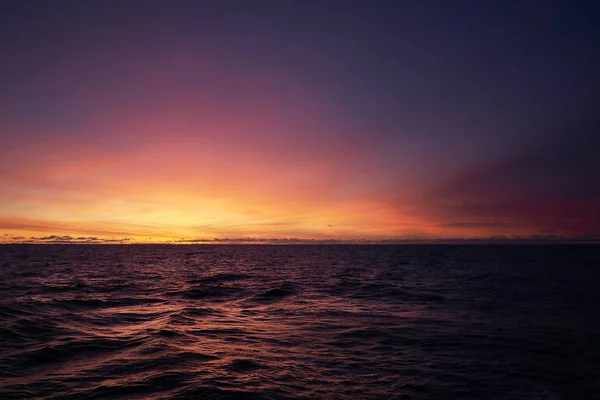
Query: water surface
x=314, y=322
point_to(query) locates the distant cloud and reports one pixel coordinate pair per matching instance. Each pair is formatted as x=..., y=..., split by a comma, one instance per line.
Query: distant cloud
x=452, y=240
x=58, y=239
x=481, y=225
x=549, y=188
x=63, y=239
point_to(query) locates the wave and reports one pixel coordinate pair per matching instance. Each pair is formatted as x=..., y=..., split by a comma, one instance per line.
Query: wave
x=301, y=322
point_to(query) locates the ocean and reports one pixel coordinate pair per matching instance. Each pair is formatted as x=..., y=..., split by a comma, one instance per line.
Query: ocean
x=299, y=322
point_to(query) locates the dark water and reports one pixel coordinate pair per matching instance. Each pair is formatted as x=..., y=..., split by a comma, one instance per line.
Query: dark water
x=319, y=322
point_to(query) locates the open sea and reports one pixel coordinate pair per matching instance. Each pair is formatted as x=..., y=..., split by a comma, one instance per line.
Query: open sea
x=299, y=322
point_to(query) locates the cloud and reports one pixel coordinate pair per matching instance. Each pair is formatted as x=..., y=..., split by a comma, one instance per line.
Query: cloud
x=551, y=187
x=65, y=239
x=481, y=225
x=500, y=239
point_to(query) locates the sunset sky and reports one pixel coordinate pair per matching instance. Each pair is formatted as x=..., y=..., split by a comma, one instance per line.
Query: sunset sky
x=171, y=120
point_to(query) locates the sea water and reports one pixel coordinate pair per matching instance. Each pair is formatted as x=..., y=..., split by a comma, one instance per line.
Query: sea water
x=312, y=322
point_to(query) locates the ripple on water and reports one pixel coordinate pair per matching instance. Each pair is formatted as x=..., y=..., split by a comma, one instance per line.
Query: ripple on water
x=314, y=322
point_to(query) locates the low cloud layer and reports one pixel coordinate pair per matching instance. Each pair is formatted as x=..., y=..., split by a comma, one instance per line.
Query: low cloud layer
x=551, y=187
x=64, y=239
x=501, y=239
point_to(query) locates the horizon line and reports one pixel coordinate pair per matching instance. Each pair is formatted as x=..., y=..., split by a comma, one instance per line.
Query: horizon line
x=537, y=239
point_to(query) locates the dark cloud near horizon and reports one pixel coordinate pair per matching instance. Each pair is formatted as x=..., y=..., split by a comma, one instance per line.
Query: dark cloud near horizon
x=552, y=186
x=481, y=225
x=498, y=239
x=66, y=239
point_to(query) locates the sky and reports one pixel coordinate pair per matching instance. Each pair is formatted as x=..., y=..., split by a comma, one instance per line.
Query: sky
x=145, y=121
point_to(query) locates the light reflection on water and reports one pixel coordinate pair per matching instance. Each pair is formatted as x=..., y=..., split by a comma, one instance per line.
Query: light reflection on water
x=83, y=322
